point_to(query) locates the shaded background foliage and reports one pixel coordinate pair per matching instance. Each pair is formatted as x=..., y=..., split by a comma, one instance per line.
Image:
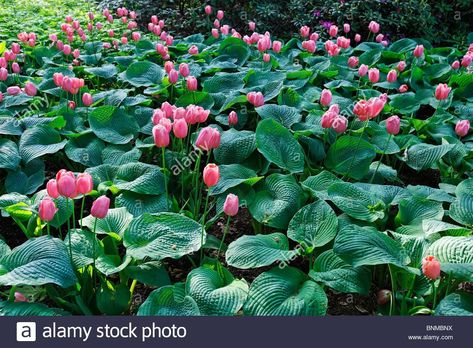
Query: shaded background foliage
x=443, y=21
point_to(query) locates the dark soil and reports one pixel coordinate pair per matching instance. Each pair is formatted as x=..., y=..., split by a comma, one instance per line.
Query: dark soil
x=11, y=233
x=427, y=177
x=351, y=304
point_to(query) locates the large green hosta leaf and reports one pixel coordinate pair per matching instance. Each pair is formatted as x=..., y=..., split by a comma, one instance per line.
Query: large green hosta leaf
x=413, y=210
x=170, y=300
x=453, y=249
x=113, y=125
x=162, y=235
x=142, y=178
x=457, y=304
x=116, y=222
x=313, y=226
x=9, y=156
x=235, y=146
x=285, y=292
x=277, y=201
x=138, y=204
x=143, y=74
x=278, y=145
x=26, y=309
x=38, y=141
x=285, y=115
x=332, y=271
x=356, y=202
x=258, y=251
x=232, y=175
x=38, y=261
x=216, y=291
x=85, y=149
x=350, y=156
x=318, y=184
x=359, y=246
x=424, y=156
x=26, y=179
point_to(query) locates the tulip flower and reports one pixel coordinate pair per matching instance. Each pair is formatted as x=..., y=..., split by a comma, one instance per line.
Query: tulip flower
x=66, y=184
x=87, y=99
x=340, y=124
x=208, y=10
x=362, y=70
x=462, y=128
x=100, y=207
x=393, y=124
x=255, y=98
x=51, y=188
x=180, y=128
x=326, y=97
x=47, y=209
x=184, y=69
x=84, y=183
x=431, y=267
x=193, y=50
x=392, y=76
x=418, y=51
x=173, y=76
x=346, y=28
x=220, y=14
x=277, y=46
x=208, y=139
x=373, y=75
x=305, y=30
x=161, y=136
x=357, y=38
x=19, y=297
x=211, y=175
x=353, y=62
x=191, y=83
x=404, y=88
x=15, y=67
x=442, y=91
x=333, y=30
x=252, y=25
x=401, y=65
x=456, y=65
x=231, y=205
x=232, y=118
x=373, y=27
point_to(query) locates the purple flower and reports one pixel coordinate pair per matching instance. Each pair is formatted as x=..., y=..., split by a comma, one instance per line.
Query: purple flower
x=316, y=13
x=326, y=24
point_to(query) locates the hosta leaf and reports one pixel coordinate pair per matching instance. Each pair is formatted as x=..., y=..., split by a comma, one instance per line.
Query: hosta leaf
x=215, y=293
x=457, y=304
x=285, y=292
x=350, y=156
x=424, y=156
x=141, y=178
x=235, y=146
x=283, y=114
x=38, y=261
x=9, y=155
x=356, y=202
x=313, y=226
x=116, y=222
x=138, y=204
x=151, y=273
x=162, y=235
x=278, y=145
x=113, y=125
x=318, y=184
x=259, y=251
x=413, y=210
x=169, y=300
x=26, y=179
x=461, y=210
x=117, y=155
x=333, y=272
x=38, y=141
x=143, y=74
x=106, y=71
x=277, y=201
x=232, y=175
x=224, y=82
x=26, y=309
x=359, y=246
x=85, y=149
x=453, y=249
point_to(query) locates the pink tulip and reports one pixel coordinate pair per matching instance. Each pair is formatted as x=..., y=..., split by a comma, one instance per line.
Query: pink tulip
x=215, y=33
x=305, y=30
x=160, y=135
x=168, y=66
x=392, y=76
x=231, y=205
x=456, y=65
x=343, y=42
x=84, y=183
x=353, y=61
x=51, y=188
x=3, y=62
x=67, y=50
x=66, y=184
x=309, y=46
x=255, y=98
x=180, y=128
x=19, y=297
x=346, y=28
x=167, y=108
x=314, y=36
x=208, y=139
x=401, y=65
x=100, y=207
x=462, y=128
x=373, y=75
x=333, y=30
x=87, y=99
x=193, y=50
x=157, y=116
x=404, y=88
x=340, y=124
x=71, y=105
x=30, y=89
x=277, y=46
x=232, y=118
x=3, y=74
x=191, y=83
x=379, y=38
x=47, y=209
x=173, y=76
x=135, y=36
x=419, y=51
x=266, y=58
x=208, y=10
x=161, y=23
x=373, y=27
x=375, y=106
x=362, y=110
x=225, y=29
x=184, y=69
x=1, y=97
x=466, y=60
x=13, y=90
x=252, y=26
x=15, y=67
x=393, y=125
x=15, y=47
x=220, y=14
x=326, y=97
x=211, y=175
x=169, y=40
x=357, y=38
x=166, y=123
x=431, y=267
x=442, y=91
x=332, y=48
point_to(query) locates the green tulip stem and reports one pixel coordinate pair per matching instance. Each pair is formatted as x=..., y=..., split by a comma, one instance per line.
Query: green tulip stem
x=434, y=291
x=165, y=178
x=48, y=227
x=82, y=210
x=203, y=227
x=94, y=252
x=227, y=227
x=381, y=159
x=356, y=149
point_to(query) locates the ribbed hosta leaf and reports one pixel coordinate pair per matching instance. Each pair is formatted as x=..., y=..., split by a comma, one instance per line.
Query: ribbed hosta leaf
x=38, y=141
x=141, y=178
x=116, y=222
x=26, y=179
x=26, y=309
x=106, y=71
x=414, y=210
x=424, y=156
x=9, y=155
x=232, y=175
x=162, y=235
x=356, y=202
x=224, y=82
x=117, y=155
x=319, y=184
x=313, y=226
x=38, y=261
x=278, y=145
x=235, y=146
x=86, y=149
x=461, y=210
x=350, y=156
x=283, y=114
x=138, y=204
x=169, y=300
x=216, y=292
x=285, y=292
x=258, y=251
x=143, y=74
x=277, y=201
x=333, y=272
x=359, y=246
x=457, y=304
x=113, y=125
x=453, y=249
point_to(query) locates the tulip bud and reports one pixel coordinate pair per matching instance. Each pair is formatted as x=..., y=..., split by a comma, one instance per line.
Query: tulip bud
x=431, y=267
x=442, y=91
x=305, y=30
x=373, y=75
x=353, y=61
x=340, y=124
x=362, y=70
x=100, y=207
x=419, y=51
x=392, y=76
x=231, y=205
x=191, y=83
x=193, y=50
x=13, y=90
x=211, y=175
x=180, y=128
x=252, y=26
x=326, y=97
x=255, y=98
x=51, y=188
x=47, y=209
x=462, y=128
x=393, y=125
x=401, y=65
x=404, y=88
x=66, y=184
x=232, y=118
x=373, y=27
x=220, y=14
x=456, y=65
x=160, y=135
x=84, y=183
x=15, y=67
x=333, y=30
x=277, y=46
x=87, y=99
x=208, y=139
x=30, y=89
x=184, y=69
x=357, y=38
x=208, y=10
x=19, y=297
x=173, y=76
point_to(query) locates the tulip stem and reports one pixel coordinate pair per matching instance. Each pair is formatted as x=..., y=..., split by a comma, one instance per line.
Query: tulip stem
x=48, y=227
x=434, y=291
x=69, y=231
x=73, y=215
x=82, y=210
x=381, y=159
x=393, y=291
x=356, y=149
x=203, y=227
x=165, y=178
x=224, y=235
x=195, y=184
x=94, y=252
